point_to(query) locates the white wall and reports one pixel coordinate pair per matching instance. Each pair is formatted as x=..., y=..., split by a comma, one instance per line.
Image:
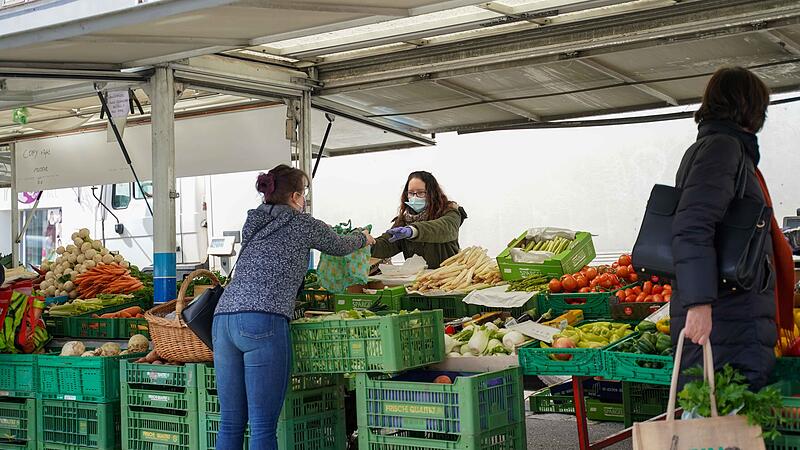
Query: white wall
x=595, y=179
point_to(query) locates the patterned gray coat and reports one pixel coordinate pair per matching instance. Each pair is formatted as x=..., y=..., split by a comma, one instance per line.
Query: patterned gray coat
x=273, y=265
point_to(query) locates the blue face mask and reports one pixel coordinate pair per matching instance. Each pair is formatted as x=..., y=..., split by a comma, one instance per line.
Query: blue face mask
x=417, y=204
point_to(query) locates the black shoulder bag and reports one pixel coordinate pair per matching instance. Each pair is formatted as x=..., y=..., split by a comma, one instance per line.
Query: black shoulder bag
x=739, y=239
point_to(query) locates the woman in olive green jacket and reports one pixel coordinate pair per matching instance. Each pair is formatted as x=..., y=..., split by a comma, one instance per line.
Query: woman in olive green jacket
x=427, y=223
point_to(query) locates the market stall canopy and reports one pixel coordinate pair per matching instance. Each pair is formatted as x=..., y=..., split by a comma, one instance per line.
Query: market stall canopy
x=427, y=66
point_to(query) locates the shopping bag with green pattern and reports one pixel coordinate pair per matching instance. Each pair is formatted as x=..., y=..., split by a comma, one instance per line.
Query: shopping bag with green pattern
x=337, y=273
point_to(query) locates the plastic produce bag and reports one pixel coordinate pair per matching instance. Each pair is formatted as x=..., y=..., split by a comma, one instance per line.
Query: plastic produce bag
x=519, y=255
x=549, y=233
x=337, y=273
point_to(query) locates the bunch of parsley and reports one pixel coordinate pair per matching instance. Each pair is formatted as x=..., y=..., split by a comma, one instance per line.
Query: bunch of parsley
x=761, y=408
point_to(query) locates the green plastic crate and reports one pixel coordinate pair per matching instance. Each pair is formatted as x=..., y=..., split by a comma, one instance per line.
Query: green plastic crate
x=391, y=297
x=604, y=412
x=18, y=423
x=158, y=376
x=786, y=368
x=317, y=298
x=318, y=432
x=531, y=306
x=568, y=261
x=643, y=401
x=91, y=379
x=390, y=343
x=595, y=305
x=452, y=306
x=544, y=401
x=589, y=362
x=86, y=326
x=130, y=327
x=511, y=437
x=475, y=403
x=791, y=405
x=150, y=430
x=784, y=442
x=65, y=327
x=307, y=395
x=92, y=425
x=56, y=326
x=18, y=375
x=626, y=366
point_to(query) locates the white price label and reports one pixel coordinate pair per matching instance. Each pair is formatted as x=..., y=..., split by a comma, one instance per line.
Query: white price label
x=118, y=103
x=536, y=331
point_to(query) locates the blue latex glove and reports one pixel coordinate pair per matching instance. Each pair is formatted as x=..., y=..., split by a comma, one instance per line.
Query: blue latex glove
x=400, y=233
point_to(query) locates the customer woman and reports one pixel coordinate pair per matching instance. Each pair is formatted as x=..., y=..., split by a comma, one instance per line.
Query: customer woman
x=252, y=349
x=741, y=325
x=427, y=223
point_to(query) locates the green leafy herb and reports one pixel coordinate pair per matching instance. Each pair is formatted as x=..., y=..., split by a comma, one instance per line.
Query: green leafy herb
x=733, y=396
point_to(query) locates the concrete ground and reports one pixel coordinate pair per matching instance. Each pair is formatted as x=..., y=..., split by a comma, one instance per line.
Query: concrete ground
x=559, y=432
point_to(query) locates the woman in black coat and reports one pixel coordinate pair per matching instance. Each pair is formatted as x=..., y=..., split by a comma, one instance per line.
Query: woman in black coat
x=740, y=324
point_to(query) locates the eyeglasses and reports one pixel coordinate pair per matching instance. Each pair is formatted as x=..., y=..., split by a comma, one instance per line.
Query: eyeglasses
x=418, y=194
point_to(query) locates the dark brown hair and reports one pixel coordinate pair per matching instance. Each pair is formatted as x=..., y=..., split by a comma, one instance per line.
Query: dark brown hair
x=735, y=94
x=437, y=203
x=280, y=183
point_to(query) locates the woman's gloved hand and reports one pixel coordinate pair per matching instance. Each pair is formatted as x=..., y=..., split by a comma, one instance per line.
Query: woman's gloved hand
x=400, y=233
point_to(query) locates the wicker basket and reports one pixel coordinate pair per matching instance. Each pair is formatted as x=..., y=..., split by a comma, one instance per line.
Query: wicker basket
x=172, y=339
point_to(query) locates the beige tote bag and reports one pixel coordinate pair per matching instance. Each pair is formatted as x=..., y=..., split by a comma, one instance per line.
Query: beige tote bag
x=713, y=433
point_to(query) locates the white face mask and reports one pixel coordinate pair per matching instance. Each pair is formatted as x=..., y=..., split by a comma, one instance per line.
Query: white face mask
x=417, y=204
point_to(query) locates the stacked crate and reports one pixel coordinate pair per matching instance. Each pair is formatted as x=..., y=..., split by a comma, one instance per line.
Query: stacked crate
x=79, y=402
x=312, y=415
x=18, y=402
x=159, y=406
x=478, y=411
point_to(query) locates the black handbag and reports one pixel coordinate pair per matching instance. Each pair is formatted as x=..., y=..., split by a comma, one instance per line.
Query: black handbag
x=739, y=239
x=199, y=314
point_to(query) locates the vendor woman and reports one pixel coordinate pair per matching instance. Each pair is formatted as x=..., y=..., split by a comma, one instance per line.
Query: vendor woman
x=427, y=223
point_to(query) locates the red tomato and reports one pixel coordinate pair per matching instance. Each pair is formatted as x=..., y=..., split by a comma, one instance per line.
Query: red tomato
x=658, y=298
x=594, y=283
x=585, y=290
x=591, y=273
x=657, y=289
x=555, y=286
x=668, y=287
x=667, y=297
x=637, y=290
x=622, y=272
x=582, y=281
x=625, y=260
x=640, y=298
x=569, y=283
x=633, y=278
x=615, y=265
x=621, y=295
x=649, y=299
x=629, y=292
x=630, y=299
x=654, y=279
x=648, y=288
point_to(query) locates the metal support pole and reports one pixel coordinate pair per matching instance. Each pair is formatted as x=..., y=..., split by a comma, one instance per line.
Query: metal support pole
x=304, y=150
x=164, y=193
x=14, y=207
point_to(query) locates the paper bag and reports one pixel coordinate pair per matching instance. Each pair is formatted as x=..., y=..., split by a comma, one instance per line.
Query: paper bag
x=712, y=433
x=728, y=433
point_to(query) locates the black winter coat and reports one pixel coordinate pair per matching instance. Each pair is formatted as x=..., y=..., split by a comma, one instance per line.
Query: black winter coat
x=744, y=331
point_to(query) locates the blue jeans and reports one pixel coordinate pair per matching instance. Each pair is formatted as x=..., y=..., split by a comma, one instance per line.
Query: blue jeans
x=252, y=358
